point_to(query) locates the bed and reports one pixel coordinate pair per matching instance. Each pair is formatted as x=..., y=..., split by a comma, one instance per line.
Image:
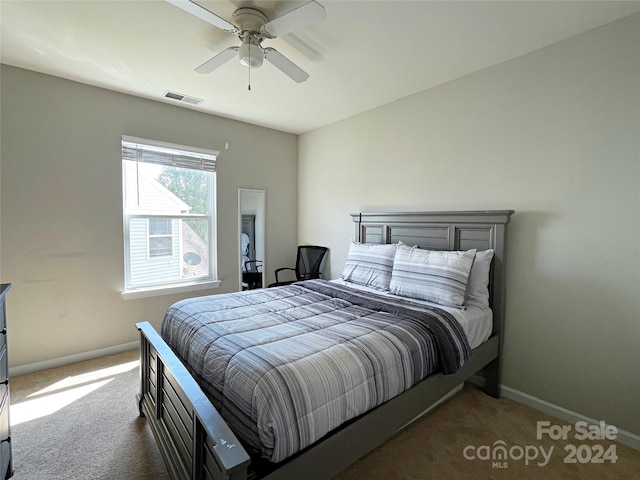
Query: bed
x=201, y=436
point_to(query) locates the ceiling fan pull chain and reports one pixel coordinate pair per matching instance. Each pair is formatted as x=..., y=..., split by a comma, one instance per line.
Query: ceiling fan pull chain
x=249, y=67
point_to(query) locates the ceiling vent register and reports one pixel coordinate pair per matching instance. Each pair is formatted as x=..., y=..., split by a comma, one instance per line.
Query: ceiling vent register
x=183, y=98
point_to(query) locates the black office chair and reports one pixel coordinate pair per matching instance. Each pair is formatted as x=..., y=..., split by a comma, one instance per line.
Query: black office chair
x=308, y=263
x=252, y=276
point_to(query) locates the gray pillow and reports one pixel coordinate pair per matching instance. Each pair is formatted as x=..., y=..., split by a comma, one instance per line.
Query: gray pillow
x=436, y=276
x=369, y=264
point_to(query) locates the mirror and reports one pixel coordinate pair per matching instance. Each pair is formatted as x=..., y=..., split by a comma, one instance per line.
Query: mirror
x=251, y=250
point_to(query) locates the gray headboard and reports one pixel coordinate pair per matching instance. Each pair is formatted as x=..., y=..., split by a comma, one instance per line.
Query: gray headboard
x=446, y=231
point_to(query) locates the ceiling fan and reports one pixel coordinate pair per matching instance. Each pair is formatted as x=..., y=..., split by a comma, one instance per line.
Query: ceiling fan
x=252, y=27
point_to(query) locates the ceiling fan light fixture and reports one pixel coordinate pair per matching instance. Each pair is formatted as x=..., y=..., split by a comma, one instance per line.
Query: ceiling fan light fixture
x=251, y=55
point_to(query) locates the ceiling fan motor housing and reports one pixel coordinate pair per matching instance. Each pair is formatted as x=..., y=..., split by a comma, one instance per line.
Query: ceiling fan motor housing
x=249, y=20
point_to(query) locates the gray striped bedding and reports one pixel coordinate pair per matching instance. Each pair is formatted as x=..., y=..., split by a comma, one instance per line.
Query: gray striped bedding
x=284, y=366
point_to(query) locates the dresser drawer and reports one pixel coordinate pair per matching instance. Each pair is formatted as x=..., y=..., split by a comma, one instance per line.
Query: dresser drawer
x=3, y=338
x=5, y=460
x=5, y=445
x=4, y=418
x=6, y=464
x=4, y=374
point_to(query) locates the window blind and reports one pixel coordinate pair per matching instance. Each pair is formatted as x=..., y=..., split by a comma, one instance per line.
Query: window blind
x=170, y=155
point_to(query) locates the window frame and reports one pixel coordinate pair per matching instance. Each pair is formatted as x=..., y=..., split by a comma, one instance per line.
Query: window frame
x=169, y=286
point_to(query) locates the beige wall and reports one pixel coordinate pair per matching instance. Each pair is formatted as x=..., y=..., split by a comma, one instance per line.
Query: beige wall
x=62, y=245
x=555, y=135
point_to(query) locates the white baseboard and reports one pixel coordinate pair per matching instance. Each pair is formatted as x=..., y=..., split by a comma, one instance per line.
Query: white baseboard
x=626, y=438
x=69, y=359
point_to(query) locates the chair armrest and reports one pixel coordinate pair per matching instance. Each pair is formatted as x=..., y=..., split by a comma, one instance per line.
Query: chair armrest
x=256, y=263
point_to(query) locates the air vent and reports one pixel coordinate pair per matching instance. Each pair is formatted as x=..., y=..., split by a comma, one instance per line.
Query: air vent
x=183, y=98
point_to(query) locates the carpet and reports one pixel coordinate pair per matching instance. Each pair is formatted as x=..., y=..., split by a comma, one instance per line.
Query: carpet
x=81, y=422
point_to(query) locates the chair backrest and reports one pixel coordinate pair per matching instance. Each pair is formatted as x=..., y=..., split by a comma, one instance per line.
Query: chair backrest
x=308, y=261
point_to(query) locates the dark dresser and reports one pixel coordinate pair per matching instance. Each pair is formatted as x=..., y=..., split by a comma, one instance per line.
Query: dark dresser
x=6, y=465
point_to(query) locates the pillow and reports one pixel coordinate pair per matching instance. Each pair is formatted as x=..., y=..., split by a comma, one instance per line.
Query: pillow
x=478, y=284
x=436, y=276
x=369, y=264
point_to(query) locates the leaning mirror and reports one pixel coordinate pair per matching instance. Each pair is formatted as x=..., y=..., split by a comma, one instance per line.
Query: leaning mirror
x=251, y=250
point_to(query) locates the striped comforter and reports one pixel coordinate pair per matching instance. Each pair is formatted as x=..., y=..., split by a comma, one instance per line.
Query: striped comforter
x=284, y=366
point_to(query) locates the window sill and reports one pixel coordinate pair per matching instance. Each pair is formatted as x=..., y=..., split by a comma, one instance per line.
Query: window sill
x=169, y=289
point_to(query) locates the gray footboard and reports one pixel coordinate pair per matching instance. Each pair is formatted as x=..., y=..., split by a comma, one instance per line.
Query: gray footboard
x=194, y=440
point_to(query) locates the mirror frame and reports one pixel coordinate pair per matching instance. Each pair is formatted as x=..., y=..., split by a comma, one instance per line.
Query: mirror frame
x=262, y=211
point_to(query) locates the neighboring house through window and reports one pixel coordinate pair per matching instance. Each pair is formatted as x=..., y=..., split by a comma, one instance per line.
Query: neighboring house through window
x=169, y=216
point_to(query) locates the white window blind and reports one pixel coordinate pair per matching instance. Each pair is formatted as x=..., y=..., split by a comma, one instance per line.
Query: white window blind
x=170, y=155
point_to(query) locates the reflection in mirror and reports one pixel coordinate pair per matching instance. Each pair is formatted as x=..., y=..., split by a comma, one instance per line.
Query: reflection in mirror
x=251, y=238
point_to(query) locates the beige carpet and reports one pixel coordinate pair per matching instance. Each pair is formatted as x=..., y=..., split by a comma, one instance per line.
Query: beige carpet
x=81, y=422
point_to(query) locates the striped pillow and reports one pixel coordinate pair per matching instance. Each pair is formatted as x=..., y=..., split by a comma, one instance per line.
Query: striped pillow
x=435, y=276
x=369, y=264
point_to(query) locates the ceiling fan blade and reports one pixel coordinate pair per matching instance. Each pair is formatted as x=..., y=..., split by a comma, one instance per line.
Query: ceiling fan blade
x=285, y=65
x=215, y=62
x=310, y=12
x=204, y=14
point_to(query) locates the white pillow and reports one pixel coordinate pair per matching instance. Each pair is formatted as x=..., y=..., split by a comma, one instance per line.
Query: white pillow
x=478, y=284
x=369, y=264
x=436, y=276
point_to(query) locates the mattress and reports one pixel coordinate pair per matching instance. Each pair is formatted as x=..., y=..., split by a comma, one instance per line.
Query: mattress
x=285, y=366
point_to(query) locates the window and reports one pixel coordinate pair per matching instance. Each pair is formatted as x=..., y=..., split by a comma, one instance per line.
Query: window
x=169, y=217
x=160, y=237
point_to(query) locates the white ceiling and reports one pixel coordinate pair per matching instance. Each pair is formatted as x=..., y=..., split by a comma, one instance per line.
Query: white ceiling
x=363, y=55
